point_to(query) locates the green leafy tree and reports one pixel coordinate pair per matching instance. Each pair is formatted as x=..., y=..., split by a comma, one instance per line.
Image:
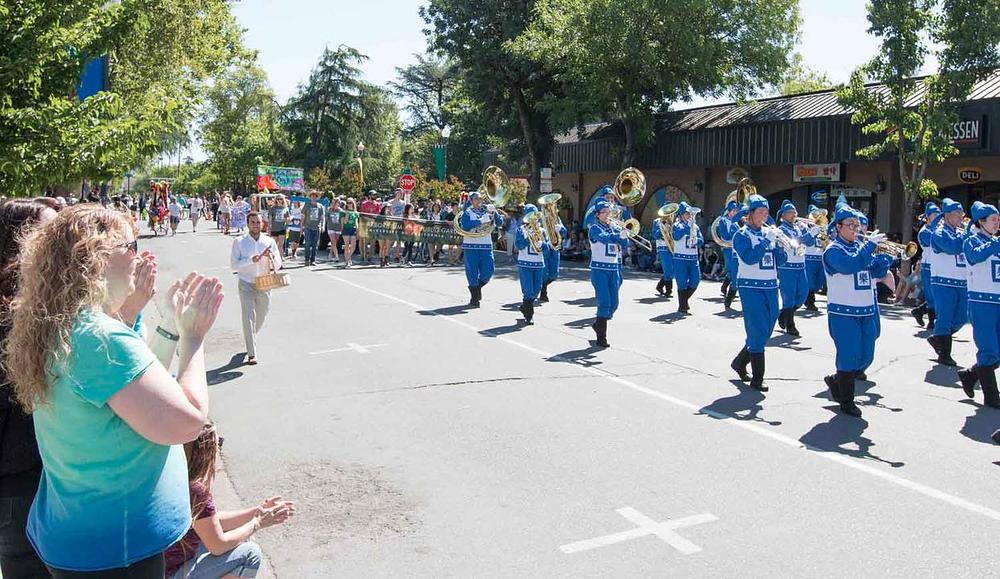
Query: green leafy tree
x=159, y=55
x=802, y=79
x=426, y=88
x=628, y=59
x=510, y=89
x=966, y=35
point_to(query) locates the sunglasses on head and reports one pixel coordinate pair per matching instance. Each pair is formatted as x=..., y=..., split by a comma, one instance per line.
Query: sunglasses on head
x=132, y=246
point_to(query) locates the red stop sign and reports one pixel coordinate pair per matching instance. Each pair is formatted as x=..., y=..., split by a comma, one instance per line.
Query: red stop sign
x=407, y=183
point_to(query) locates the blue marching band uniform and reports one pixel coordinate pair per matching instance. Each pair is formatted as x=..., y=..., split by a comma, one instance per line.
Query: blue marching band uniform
x=479, y=264
x=815, y=274
x=948, y=280
x=552, y=258
x=757, y=282
x=852, y=268
x=729, y=224
x=530, y=266
x=982, y=257
x=606, y=246
x=665, y=285
x=687, y=241
x=926, y=308
x=792, y=279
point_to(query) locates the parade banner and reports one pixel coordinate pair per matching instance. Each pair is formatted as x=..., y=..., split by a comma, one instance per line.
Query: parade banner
x=383, y=227
x=280, y=178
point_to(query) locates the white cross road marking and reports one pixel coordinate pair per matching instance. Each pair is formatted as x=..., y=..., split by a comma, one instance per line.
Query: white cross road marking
x=646, y=526
x=351, y=346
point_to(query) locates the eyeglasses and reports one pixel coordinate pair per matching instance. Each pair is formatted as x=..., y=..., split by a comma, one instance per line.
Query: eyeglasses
x=132, y=246
x=850, y=225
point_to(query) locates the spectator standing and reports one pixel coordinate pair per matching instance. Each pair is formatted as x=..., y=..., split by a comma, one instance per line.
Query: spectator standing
x=433, y=214
x=277, y=217
x=513, y=224
x=350, y=231
x=175, y=215
x=226, y=213
x=396, y=208
x=369, y=206
x=109, y=417
x=253, y=255
x=384, y=245
x=313, y=220
x=196, y=207
x=408, y=231
x=334, y=227
x=294, y=236
x=239, y=212
x=218, y=543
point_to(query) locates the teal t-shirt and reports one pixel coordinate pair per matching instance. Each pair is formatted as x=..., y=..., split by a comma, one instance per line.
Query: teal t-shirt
x=107, y=497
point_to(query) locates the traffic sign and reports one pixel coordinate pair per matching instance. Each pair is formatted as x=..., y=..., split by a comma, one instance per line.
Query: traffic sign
x=407, y=183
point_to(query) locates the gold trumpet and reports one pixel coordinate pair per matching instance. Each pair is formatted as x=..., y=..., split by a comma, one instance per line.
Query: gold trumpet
x=899, y=251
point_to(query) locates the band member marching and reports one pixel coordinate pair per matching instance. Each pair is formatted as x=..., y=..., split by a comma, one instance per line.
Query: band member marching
x=757, y=282
x=552, y=259
x=982, y=255
x=687, y=240
x=792, y=279
x=665, y=285
x=851, y=266
x=530, y=262
x=815, y=276
x=948, y=280
x=931, y=211
x=728, y=226
x=479, y=265
x=606, y=244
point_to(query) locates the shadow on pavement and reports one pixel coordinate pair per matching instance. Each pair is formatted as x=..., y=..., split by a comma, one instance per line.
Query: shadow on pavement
x=446, y=311
x=865, y=397
x=223, y=373
x=786, y=341
x=669, y=318
x=583, y=323
x=841, y=430
x=743, y=406
x=941, y=375
x=501, y=330
x=732, y=314
x=652, y=300
x=584, y=357
x=981, y=425
x=582, y=302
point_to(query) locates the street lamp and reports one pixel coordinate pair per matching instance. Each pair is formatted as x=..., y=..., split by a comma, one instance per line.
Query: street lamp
x=361, y=164
x=441, y=154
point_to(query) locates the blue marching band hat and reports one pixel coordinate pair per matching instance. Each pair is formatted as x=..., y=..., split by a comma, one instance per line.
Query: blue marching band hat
x=529, y=209
x=756, y=202
x=930, y=209
x=982, y=210
x=684, y=207
x=786, y=206
x=948, y=205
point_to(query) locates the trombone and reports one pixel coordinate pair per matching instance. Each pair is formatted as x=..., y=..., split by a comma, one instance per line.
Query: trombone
x=632, y=228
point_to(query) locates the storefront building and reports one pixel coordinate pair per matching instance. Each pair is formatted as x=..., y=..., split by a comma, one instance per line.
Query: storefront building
x=802, y=148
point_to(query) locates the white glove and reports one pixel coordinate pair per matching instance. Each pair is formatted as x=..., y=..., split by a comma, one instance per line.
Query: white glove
x=814, y=230
x=491, y=208
x=623, y=234
x=771, y=235
x=876, y=237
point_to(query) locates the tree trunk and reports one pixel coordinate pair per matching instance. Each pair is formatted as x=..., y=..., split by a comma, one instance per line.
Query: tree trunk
x=628, y=155
x=527, y=130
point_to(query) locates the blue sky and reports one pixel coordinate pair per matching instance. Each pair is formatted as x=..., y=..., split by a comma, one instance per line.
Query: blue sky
x=290, y=35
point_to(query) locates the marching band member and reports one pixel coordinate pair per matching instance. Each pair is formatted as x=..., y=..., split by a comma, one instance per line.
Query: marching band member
x=851, y=266
x=479, y=265
x=948, y=280
x=687, y=240
x=728, y=227
x=931, y=211
x=552, y=258
x=757, y=281
x=792, y=279
x=530, y=264
x=982, y=255
x=815, y=275
x=665, y=286
x=606, y=244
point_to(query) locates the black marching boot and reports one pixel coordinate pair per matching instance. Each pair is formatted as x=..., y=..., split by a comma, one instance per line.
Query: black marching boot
x=781, y=319
x=669, y=285
x=944, y=356
x=811, y=302
x=757, y=367
x=544, y=296
x=919, y=312
x=988, y=380
x=936, y=343
x=790, y=323
x=473, y=296
x=739, y=364
x=601, y=329
x=969, y=378
x=725, y=286
x=659, y=286
x=834, y=386
x=523, y=308
x=528, y=309
x=931, y=316
x=682, y=301
x=728, y=301
x=846, y=382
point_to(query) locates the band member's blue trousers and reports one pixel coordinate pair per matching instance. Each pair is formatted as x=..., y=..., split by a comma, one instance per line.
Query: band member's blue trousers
x=986, y=332
x=794, y=287
x=760, y=312
x=531, y=280
x=732, y=264
x=666, y=263
x=606, y=283
x=815, y=276
x=551, y=264
x=925, y=278
x=952, y=307
x=686, y=272
x=479, y=266
x=854, y=339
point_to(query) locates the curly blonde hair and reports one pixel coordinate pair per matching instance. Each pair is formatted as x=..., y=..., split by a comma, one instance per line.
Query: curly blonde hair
x=63, y=265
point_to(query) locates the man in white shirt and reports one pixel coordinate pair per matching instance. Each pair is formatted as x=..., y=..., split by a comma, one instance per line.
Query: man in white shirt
x=175, y=215
x=250, y=258
x=195, y=207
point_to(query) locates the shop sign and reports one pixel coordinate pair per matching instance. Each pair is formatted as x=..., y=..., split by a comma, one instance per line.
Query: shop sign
x=545, y=180
x=854, y=193
x=819, y=196
x=817, y=173
x=968, y=132
x=970, y=174
x=736, y=174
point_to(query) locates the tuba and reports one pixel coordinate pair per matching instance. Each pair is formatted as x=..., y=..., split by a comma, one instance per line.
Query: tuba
x=744, y=189
x=665, y=222
x=533, y=224
x=549, y=208
x=495, y=189
x=630, y=186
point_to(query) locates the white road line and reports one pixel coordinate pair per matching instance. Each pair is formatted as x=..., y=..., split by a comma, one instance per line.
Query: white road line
x=897, y=480
x=646, y=526
x=350, y=347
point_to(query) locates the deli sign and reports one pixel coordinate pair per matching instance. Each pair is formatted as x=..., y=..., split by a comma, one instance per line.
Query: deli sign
x=968, y=132
x=970, y=174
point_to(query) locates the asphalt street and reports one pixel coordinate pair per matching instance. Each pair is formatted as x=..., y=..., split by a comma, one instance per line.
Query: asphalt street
x=424, y=439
